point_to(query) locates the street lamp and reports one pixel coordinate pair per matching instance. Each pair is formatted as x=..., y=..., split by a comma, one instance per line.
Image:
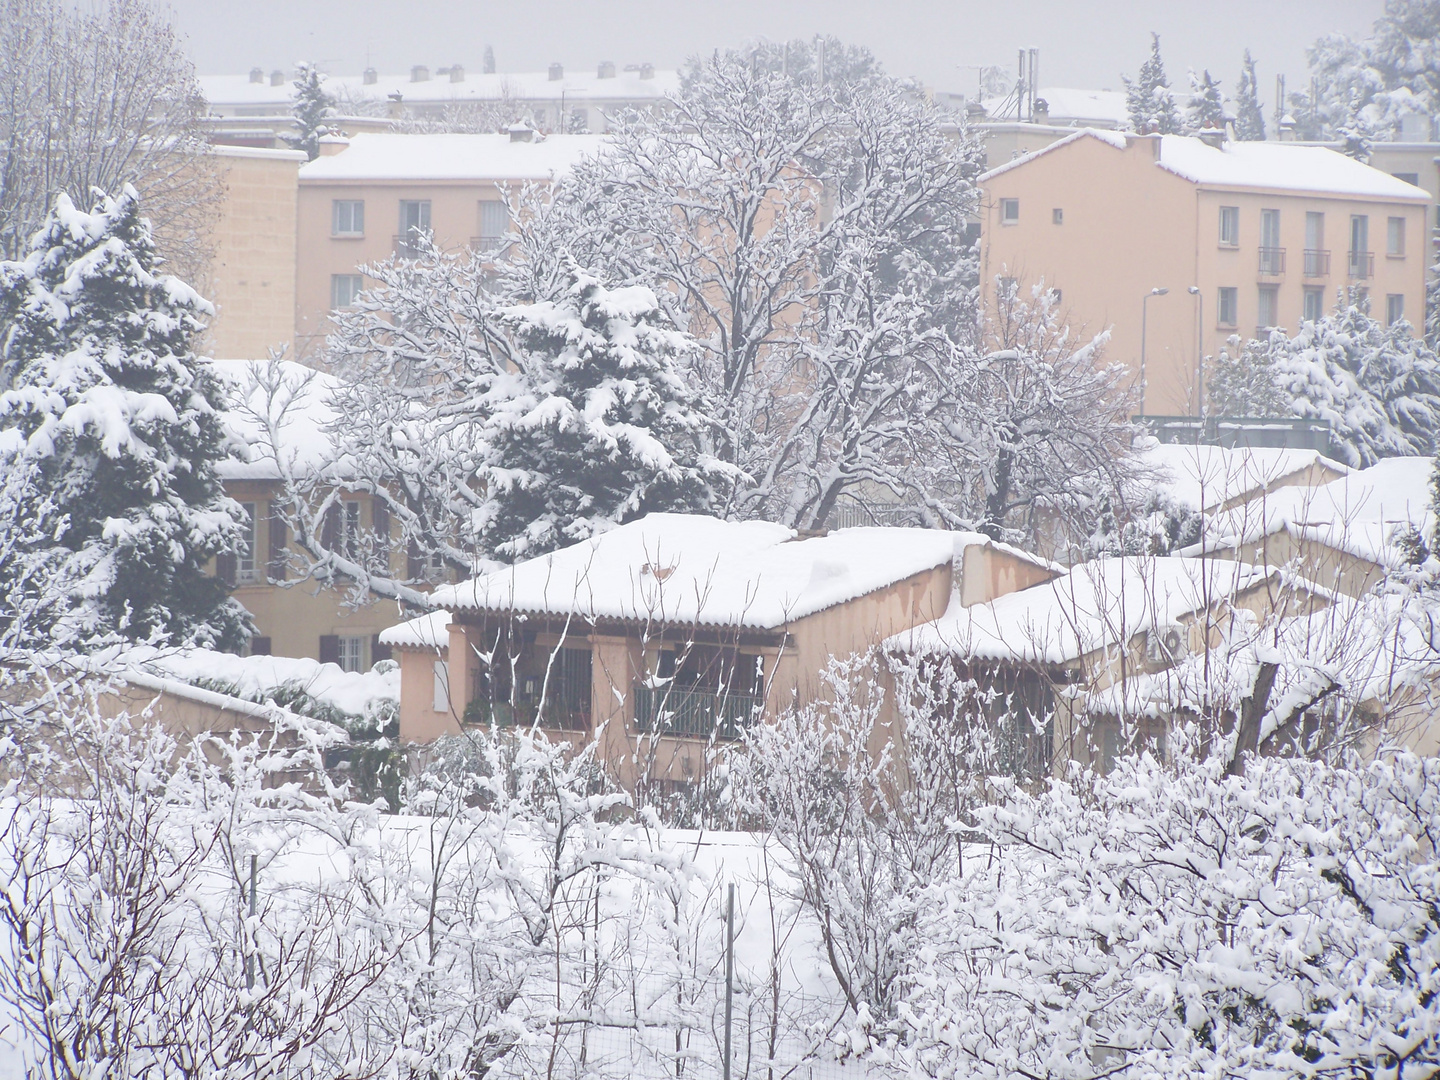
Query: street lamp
x=1199, y=350
x=1144, y=314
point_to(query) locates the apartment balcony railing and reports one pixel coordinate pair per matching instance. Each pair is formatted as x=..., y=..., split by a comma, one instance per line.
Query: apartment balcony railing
x=1317, y=263
x=696, y=714
x=487, y=244
x=1272, y=261
x=1362, y=264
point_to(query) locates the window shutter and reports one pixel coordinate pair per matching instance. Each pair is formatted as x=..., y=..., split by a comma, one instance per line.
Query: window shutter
x=378, y=651
x=278, y=539
x=330, y=648
x=227, y=567
x=380, y=517
x=330, y=530
x=259, y=646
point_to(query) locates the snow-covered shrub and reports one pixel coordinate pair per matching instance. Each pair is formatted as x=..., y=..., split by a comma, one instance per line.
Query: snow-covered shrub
x=1241, y=381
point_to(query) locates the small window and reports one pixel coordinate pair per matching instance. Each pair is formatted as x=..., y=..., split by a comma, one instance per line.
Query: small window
x=1269, y=307
x=1408, y=177
x=441, y=691
x=414, y=227
x=1395, y=238
x=347, y=217
x=1227, y=308
x=494, y=223
x=1009, y=211
x=1314, y=305
x=1394, y=308
x=1007, y=290
x=1230, y=226
x=344, y=290
x=352, y=654
x=350, y=542
x=1056, y=296
x=1057, y=216
x=248, y=564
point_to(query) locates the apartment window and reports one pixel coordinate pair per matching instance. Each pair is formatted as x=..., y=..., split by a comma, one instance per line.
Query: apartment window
x=1009, y=211
x=248, y=564
x=1057, y=216
x=494, y=223
x=347, y=217
x=1394, y=308
x=1395, y=237
x=1269, y=307
x=350, y=542
x=1317, y=259
x=1362, y=262
x=1314, y=306
x=414, y=224
x=344, y=290
x=1227, y=307
x=352, y=653
x=1272, y=255
x=1230, y=226
x=1408, y=177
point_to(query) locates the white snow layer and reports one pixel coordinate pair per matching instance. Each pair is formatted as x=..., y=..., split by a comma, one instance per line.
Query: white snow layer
x=429, y=631
x=377, y=156
x=281, y=410
x=1205, y=478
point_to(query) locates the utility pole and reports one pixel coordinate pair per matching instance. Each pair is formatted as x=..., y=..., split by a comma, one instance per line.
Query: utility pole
x=729, y=971
x=250, y=950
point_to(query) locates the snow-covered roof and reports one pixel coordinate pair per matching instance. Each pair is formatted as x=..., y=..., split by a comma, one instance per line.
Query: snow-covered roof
x=429, y=631
x=691, y=569
x=1096, y=605
x=1248, y=165
x=284, y=397
x=225, y=92
x=1072, y=106
x=388, y=156
x=1205, y=478
x=1360, y=514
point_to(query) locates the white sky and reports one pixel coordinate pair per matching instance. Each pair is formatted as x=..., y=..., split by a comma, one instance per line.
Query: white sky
x=1082, y=44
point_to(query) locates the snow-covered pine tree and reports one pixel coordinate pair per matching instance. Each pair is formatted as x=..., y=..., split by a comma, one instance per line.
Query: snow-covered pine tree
x=1207, y=104
x=1241, y=381
x=1249, y=118
x=1378, y=386
x=312, y=110
x=1355, y=132
x=597, y=427
x=1432, y=307
x=105, y=395
x=488, y=64
x=1393, y=73
x=1152, y=106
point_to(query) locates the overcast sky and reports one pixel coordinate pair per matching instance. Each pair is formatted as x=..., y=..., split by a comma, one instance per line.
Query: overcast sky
x=1082, y=43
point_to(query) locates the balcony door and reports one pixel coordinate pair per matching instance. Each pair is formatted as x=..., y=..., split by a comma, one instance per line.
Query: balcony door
x=414, y=223
x=1271, y=254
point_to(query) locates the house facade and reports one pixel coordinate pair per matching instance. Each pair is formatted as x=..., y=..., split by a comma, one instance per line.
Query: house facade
x=1174, y=244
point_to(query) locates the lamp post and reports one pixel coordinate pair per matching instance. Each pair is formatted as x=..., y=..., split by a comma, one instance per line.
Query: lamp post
x=1199, y=350
x=1144, y=315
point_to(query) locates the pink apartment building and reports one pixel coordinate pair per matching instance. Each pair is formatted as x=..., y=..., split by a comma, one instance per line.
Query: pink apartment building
x=1242, y=237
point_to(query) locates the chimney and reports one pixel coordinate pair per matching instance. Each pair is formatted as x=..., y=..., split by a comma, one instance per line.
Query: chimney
x=520, y=132
x=457, y=73
x=419, y=73
x=330, y=145
x=277, y=78
x=1213, y=136
x=257, y=75
x=370, y=77
x=606, y=70
x=1040, y=111
x=557, y=72
x=647, y=71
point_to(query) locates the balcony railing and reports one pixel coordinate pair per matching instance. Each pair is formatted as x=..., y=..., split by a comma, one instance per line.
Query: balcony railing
x=1272, y=261
x=1317, y=263
x=1362, y=264
x=697, y=714
x=487, y=244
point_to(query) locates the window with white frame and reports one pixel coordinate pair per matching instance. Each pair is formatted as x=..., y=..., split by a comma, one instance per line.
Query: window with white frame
x=344, y=289
x=1230, y=226
x=347, y=217
x=1314, y=305
x=352, y=654
x=247, y=567
x=1394, y=308
x=1395, y=237
x=494, y=223
x=1009, y=211
x=1227, y=307
x=1268, y=313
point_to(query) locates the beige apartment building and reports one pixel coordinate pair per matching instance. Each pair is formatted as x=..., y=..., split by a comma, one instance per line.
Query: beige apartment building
x=368, y=198
x=1174, y=244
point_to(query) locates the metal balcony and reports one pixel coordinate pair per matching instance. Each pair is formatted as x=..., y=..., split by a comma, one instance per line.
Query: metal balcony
x=1317, y=263
x=1272, y=261
x=1362, y=264
x=696, y=714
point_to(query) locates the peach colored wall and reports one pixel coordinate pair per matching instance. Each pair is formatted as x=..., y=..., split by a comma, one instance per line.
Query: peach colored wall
x=987, y=573
x=1130, y=226
x=419, y=721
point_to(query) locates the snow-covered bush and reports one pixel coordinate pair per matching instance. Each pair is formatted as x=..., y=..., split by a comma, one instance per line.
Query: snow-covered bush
x=1241, y=381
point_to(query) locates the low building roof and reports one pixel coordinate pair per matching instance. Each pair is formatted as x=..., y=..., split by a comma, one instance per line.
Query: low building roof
x=1070, y=104
x=694, y=570
x=428, y=631
x=374, y=155
x=1269, y=166
x=1095, y=605
x=1205, y=478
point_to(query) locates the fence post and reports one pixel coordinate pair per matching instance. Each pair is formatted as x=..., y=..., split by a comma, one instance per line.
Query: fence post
x=729, y=970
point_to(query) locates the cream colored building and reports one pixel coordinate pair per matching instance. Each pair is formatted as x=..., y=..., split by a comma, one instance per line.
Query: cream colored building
x=366, y=199
x=1244, y=238
x=252, y=275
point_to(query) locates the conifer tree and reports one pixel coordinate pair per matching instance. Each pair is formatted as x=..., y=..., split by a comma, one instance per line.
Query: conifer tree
x=107, y=405
x=1241, y=381
x=596, y=428
x=1207, y=104
x=1152, y=106
x=1249, y=119
x=1432, y=307
x=313, y=109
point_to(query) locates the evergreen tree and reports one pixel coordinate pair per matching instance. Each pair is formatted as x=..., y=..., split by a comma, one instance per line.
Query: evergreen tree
x=1207, y=104
x=1432, y=308
x=313, y=109
x=1152, y=106
x=488, y=64
x=119, y=422
x=1435, y=504
x=1241, y=381
x=1355, y=132
x=596, y=428
x=1249, y=119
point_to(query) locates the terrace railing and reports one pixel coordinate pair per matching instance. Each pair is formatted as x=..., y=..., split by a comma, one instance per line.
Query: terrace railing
x=696, y=714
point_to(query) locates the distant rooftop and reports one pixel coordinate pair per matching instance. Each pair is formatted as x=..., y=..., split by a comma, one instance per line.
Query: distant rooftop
x=380, y=156
x=1094, y=108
